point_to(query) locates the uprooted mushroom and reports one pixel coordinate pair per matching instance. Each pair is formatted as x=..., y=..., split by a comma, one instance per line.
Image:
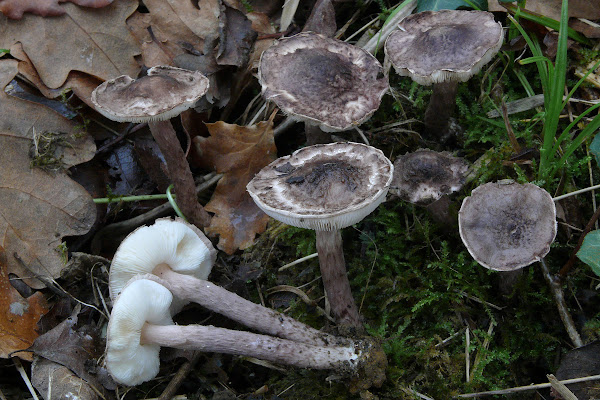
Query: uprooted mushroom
x=180, y=254
x=141, y=324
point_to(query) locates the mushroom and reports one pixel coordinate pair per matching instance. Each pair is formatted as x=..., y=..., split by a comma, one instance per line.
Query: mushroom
x=506, y=226
x=326, y=188
x=443, y=48
x=141, y=323
x=182, y=257
x=321, y=81
x=163, y=94
x=424, y=176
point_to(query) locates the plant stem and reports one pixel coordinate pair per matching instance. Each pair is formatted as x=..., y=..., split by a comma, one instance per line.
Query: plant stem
x=335, y=280
x=104, y=200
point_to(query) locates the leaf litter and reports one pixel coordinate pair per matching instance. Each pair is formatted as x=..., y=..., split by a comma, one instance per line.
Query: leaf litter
x=42, y=209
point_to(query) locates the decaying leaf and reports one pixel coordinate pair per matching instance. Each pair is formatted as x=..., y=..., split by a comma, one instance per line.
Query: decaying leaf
x=77, y=347
x=15, y=9
x=93, y=41
x=39, y=207
x=54, y=381
x=238, y=152
x=18, y=316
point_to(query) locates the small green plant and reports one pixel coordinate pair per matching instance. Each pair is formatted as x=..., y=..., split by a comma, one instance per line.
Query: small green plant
x=552, y=77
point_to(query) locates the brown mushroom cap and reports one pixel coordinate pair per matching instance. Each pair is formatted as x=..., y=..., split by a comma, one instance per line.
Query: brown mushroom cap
x=506, y=225
x=323, y=187
x=322, y=81
x=445, y=45
x=163, y=94
x=425, y=176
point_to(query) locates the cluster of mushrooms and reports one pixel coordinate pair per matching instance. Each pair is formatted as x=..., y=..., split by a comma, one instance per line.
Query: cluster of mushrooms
x=325, y=187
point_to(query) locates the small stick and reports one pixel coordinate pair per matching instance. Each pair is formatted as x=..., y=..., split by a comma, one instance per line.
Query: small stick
x=526, y=388
x=559, y=299
x=298, y=261
x=561, y=388
x=181, y=374
x=24, y=376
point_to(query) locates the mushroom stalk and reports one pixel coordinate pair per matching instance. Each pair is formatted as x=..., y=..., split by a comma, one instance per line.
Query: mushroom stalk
x=440, y=109
x=250, y=314
x=315, y=135
x=179, y=172
x=335, y=279
x=220, y=340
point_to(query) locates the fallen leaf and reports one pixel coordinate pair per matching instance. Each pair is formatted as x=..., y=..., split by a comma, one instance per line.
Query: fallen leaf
x=589, y=252
x=37, y=207
x=75, y=346
x=93, y=41
x=54, y=381
x=18, y=316
x=15, y=9
x=238, y=152
x=580, y=362
x=551, y=8
x=238, y=39
x=322, y=19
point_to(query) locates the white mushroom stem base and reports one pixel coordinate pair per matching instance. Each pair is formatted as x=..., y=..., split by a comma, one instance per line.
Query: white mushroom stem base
x=281, y=351
x=250, y=314
x=335, y=280
x=440, y=109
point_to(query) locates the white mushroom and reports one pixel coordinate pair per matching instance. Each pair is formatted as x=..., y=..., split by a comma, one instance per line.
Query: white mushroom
x=141, y=323
x=182, y=257
x=326, y=188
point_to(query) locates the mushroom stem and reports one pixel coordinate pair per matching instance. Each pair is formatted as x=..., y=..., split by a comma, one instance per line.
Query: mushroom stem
x=335, y=279
x=179, y=172
x=440, y=109
x=250, y=314
x=281, y=351
x=315, y=135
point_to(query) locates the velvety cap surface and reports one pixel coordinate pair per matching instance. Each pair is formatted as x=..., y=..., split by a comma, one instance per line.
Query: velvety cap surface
x=506, y=226
x=323, y=187
x=322, y=81
x=163, y=94
x=142, y=301
x=425, y=176
x=445, y=45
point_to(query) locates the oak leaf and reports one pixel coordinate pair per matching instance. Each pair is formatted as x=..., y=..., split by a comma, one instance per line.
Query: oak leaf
x=18, y=316
x=15, y=9
x=237, y=152
x=38, y=207
x=93, y=41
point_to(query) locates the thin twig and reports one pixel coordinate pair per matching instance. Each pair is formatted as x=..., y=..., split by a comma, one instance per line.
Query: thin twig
x=298, y=261
x=527, y=388
x=24, y=376
x=559, y=299
x=181, y=374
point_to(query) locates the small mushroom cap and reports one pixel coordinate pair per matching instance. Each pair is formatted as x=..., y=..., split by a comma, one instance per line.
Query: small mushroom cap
x=127, y=360
x=323, y=187
x=180, y=245
x=425, y=176
x=445, y=45
x=322, y=81
x=161, y=95
x=506, y=225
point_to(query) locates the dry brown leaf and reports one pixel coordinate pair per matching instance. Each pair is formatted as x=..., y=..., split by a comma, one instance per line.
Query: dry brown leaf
x=94, y=41
x=54, y=381
x=18, y=316
x=551, y=8
x=238, y=152
x=38, y=208
x=15, y=9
